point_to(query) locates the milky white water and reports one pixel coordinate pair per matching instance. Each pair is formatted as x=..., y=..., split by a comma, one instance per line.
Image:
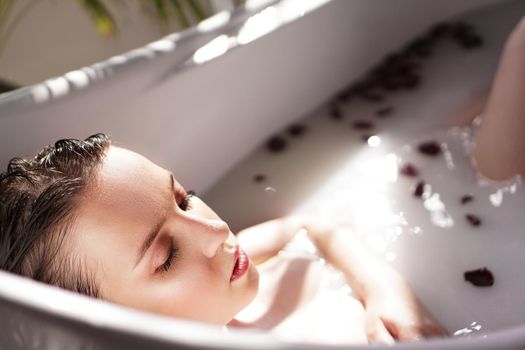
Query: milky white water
x=332, y=172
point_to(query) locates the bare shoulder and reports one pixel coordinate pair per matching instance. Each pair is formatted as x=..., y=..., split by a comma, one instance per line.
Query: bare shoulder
x=292, y=304
x=303, y=310
x=287, y=283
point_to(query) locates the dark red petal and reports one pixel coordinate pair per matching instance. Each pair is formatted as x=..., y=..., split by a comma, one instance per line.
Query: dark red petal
x=383, y=112
x=259, y=178
x=276, y=144
x=473, y=219
x=296, y=129
x=335, y=112
x=466, y=199
x=480, y=277
x=362, y=125
x=409, y=170
x=429, y=148
x=419, y=189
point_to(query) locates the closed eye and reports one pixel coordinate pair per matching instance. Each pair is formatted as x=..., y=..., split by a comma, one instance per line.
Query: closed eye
x=186, y=202
x=172, y=255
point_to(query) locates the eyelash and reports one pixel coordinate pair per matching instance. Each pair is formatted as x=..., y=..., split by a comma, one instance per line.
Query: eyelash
x=185, y=204
x=173, y=253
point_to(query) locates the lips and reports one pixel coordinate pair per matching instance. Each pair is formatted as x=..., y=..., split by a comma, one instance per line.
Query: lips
x=240, y=266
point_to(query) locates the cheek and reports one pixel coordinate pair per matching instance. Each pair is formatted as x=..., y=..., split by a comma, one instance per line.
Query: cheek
x=192, y=295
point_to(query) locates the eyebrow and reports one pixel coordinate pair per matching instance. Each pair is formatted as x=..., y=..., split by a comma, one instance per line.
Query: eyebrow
x=154, y=232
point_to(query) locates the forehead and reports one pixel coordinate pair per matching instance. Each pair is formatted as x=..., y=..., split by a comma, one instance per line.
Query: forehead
x=128, y=184
x=128, y=195
x=122, y=166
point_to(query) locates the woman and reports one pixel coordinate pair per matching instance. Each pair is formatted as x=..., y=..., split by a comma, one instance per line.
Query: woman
x=106, y=222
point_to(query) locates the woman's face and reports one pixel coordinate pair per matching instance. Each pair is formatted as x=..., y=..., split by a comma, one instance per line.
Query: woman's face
x=148, y=250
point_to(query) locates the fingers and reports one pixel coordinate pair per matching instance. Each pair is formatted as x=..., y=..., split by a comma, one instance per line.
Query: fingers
x=435, y=330
x=376, y=331
x=415, y=331
x=403, y=331
x=410, y=334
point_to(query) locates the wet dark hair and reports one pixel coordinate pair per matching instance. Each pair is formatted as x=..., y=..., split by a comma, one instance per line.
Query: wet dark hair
x=38, y=198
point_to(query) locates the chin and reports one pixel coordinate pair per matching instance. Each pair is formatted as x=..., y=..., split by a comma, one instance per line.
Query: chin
x=252, y=286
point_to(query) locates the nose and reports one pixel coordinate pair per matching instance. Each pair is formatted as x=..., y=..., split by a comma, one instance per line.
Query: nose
x=212, y=234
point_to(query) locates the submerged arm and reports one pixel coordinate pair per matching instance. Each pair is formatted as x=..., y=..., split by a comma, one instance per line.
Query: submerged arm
x=393, y=310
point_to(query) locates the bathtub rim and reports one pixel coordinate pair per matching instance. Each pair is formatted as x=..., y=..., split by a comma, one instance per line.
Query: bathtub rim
x=514, y=331
x=63, y=304
x=104, y=70
x=59, y=303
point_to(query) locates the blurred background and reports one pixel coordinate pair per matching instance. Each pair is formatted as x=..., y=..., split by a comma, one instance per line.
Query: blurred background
x=40, y=39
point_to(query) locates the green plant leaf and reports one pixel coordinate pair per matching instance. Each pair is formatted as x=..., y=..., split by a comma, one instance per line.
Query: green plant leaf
x=197, y=9
x=162, y=14
x=5, y=9
x=180, y=14
x=104, y=23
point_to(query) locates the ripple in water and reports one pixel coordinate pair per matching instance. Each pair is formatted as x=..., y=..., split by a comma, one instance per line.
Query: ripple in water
x=474, y=327
x=270, y=189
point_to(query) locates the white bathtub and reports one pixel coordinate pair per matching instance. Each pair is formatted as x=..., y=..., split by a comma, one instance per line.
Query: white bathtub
x=158, y=99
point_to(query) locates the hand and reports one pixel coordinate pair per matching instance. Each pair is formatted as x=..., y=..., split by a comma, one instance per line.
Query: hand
x=394, y=313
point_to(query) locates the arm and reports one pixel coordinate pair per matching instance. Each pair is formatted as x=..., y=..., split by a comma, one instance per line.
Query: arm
x=265, y=240
x=392, y=309
x=500, y=143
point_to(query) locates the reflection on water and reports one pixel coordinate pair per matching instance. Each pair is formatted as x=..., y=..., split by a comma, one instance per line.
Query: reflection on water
x=474, y=327
x=496, y=198
x=339, y=173
x=270, y=189
x=438, y=213
x=374, y=141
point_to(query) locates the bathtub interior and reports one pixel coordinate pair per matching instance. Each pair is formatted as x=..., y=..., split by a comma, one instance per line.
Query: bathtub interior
x=136, y=108
x=331, y=171
x=162, y=82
